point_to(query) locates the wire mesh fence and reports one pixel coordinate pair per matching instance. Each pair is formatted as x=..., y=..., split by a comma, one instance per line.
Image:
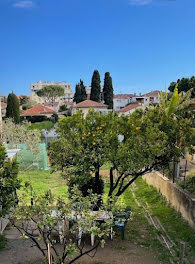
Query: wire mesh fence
x=32, y=160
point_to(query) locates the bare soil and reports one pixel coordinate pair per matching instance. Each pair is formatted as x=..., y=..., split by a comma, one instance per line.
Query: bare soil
x=20, y=250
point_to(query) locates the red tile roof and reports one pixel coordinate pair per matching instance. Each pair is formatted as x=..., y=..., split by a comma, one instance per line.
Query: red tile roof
x=123, y=96
x=37, y=111
x=152, y=93
x=128, y=108
x=90, y=103
x=51, y=105
x=68, y=103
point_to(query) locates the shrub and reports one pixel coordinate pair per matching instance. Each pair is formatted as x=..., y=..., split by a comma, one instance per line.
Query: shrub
x=91, y=184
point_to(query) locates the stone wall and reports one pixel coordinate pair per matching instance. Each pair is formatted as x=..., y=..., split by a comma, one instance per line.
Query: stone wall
x=180, y=200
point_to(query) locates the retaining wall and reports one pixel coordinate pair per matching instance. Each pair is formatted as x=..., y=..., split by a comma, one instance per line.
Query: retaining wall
x=183, y=202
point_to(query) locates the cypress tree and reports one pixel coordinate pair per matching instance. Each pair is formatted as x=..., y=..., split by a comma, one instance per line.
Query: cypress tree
x=108, y=90
x=83, y=91
x=95, y=87
x=80, y=92
x=77, y=94
x=12, y=110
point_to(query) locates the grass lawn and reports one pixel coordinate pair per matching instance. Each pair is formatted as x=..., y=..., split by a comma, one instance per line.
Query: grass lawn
x=42, y=125
x=42, y=181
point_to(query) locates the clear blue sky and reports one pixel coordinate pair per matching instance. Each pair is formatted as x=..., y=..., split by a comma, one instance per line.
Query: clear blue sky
x=144, y=44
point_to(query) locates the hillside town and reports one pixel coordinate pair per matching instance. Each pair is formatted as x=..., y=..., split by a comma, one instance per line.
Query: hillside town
x=122, y=103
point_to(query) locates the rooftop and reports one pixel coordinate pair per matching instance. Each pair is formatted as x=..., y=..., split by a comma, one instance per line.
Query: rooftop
x=128, y=108
x=90, y=103
x=123, y=96
x=37, y=111
x=152, y=93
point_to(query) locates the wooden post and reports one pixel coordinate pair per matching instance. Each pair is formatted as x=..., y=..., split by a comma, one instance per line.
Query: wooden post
x=182, y=251
x=49, y=254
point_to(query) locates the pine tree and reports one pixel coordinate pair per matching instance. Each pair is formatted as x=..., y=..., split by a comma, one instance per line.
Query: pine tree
x=12, y=110
x=108, y=90
x=77, y=94
x=83, y=91
x=95, y=87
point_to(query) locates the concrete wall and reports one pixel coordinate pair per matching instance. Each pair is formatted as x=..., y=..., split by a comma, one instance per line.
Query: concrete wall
x=180, y=200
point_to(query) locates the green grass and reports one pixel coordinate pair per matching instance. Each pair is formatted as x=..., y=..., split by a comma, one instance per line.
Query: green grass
x=42, y=181
x=42, y=125
x=3, y=242
x=176, y=227
x=139, y=231
x=106, y=166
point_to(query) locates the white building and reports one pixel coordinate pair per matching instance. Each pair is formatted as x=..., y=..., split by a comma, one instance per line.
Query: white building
x=34, y=87
x=122, y=100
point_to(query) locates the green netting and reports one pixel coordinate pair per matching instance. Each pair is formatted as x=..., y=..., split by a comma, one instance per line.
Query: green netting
x=32, y=161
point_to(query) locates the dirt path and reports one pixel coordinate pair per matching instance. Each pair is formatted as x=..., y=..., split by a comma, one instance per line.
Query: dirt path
x=115, y=252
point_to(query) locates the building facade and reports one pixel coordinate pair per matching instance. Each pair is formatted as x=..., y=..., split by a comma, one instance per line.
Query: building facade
x=34, y=87
x=122, y=100
x=86, y=105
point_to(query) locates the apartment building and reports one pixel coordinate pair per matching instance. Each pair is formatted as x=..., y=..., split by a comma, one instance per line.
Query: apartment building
x=122, y=100
x=68, y=95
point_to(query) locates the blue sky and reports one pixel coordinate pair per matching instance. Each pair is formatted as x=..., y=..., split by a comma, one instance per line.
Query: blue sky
x=144, y=44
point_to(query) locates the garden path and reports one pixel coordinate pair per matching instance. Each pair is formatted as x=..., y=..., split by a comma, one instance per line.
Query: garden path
x=19, y=250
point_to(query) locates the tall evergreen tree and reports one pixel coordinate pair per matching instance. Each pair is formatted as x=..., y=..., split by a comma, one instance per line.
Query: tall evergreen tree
x=95, y=87
x=12, y=110
x=80, y=92
x=83, y=91
x=77, y=94
x=108, y=90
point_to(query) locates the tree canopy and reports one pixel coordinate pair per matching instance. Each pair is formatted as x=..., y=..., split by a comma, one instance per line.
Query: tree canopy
x=51, y=93
x=95, y=87
x=184, y=85
x=108, y=90
x=133, y=145
x=12, y=110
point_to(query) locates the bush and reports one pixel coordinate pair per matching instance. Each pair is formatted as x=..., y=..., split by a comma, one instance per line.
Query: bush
x=54, y=118
x=63, y=108
x=86, y=187
x=35, y=119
